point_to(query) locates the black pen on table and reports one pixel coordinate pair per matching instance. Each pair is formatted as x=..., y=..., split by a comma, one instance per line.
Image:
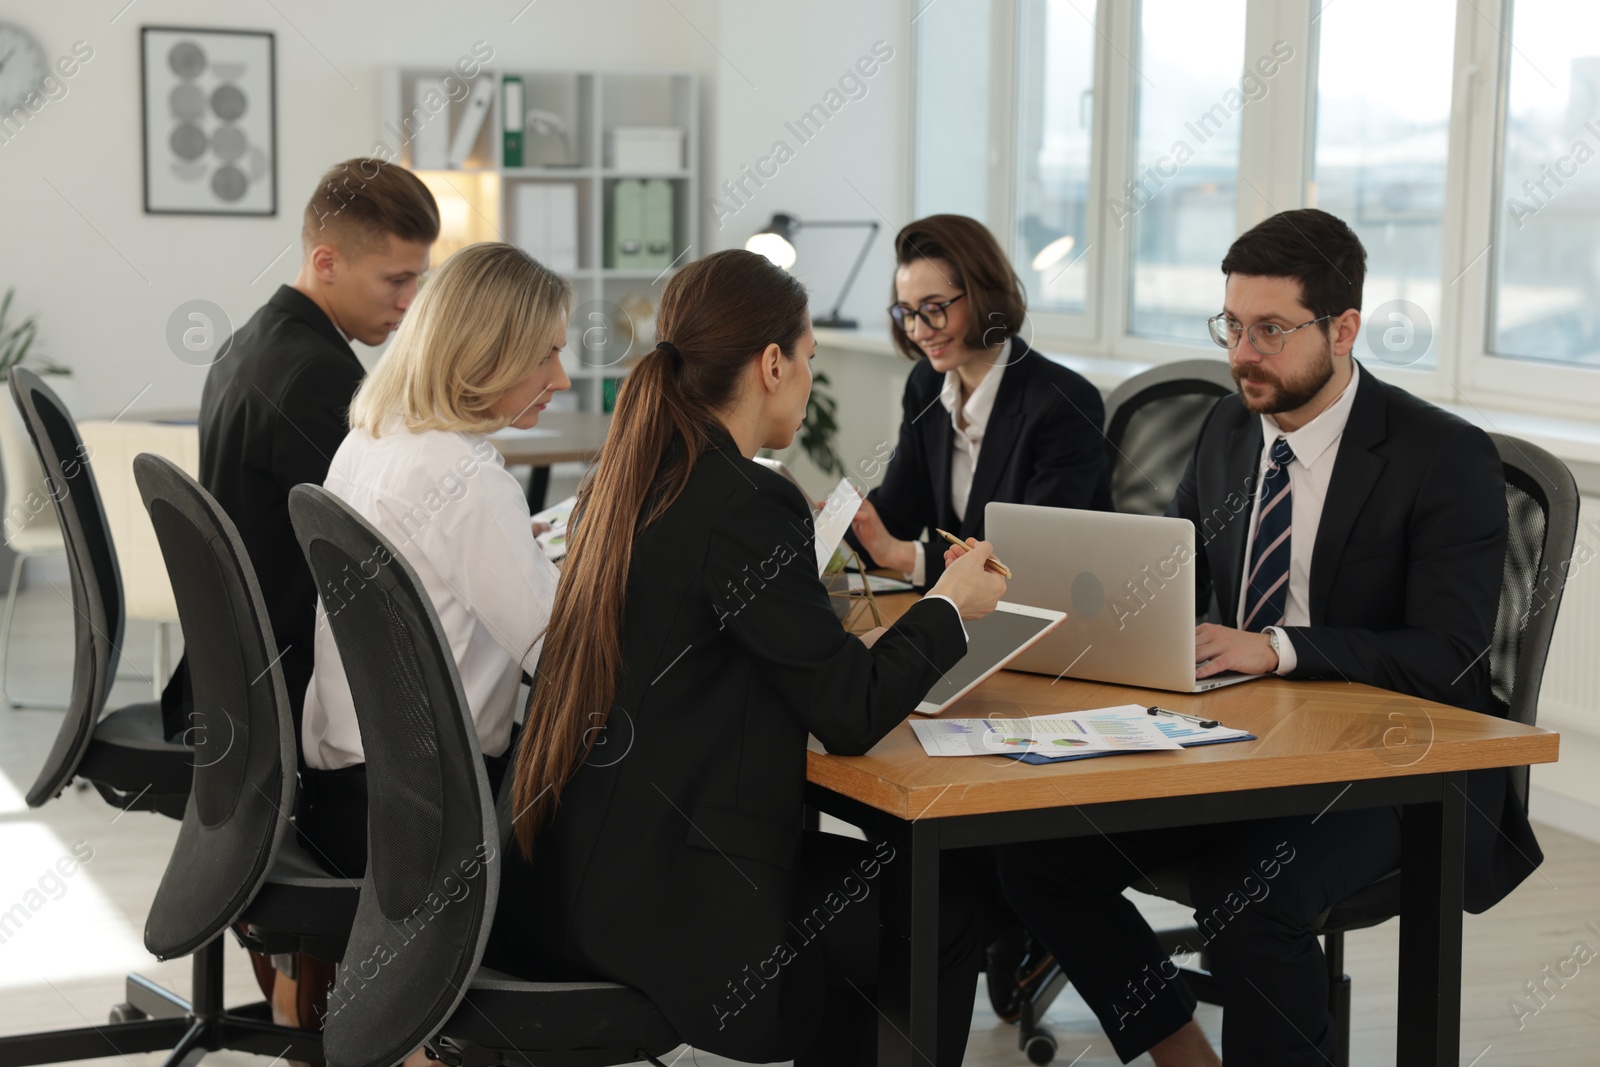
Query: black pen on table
x=1204, y=724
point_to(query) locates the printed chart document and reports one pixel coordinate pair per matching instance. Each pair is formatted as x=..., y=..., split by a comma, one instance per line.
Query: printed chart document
x=833, y=521
x=1069, y=735
x=554, y=541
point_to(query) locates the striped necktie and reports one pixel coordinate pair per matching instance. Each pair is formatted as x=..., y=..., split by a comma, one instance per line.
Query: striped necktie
x=1267, y=592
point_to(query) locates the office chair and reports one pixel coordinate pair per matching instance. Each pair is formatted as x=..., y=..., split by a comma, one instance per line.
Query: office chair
x=1542, y=513
x=125, y=754
x=31, y=531
x=1152, y=422
x=237, y=859
x=411, y=972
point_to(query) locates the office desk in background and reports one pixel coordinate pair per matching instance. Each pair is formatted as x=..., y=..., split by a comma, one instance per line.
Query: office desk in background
x=560, y=437
x=1320, y=744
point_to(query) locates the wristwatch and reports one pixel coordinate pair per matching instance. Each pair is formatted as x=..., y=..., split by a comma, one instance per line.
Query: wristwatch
x=1273, y=640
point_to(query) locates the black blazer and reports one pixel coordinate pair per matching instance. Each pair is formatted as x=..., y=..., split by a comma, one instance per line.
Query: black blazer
x=272, y=414
x=1405, y=576
x=1044, y=445
x=671, y=863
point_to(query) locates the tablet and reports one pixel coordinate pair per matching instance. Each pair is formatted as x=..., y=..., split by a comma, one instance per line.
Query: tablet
x=992, y=642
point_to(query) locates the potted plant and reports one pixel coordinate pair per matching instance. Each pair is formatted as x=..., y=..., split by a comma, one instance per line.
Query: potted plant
x=15, y=341
x=820, y=432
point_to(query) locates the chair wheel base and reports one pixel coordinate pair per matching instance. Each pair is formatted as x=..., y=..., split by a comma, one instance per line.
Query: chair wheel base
x=126, y=1013
x=1040, y=1045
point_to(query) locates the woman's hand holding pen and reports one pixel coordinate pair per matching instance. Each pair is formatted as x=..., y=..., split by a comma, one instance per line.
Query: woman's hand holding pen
x=967, y=580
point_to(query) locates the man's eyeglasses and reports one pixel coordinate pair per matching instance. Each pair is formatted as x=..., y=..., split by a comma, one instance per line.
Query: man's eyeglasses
x=1265, y=337
x=932, y=313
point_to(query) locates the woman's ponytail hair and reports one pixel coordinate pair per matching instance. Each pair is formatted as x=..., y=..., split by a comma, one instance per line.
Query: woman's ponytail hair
x=717, y=314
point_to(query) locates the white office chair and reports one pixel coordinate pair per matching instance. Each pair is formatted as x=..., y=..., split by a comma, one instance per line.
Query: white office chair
x=145, y=585
x=30, y=527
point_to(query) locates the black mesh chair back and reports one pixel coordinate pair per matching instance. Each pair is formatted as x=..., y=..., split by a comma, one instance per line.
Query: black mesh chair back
x=1542, y=518
x=433, y=843
x=1152, y=422
x=92, y=566
x=242, y=731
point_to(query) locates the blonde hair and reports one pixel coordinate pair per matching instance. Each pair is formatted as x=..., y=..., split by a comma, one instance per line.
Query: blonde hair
x=481, y=324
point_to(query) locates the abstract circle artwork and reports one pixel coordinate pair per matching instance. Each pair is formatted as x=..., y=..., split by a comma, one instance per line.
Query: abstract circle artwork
x=209, y=122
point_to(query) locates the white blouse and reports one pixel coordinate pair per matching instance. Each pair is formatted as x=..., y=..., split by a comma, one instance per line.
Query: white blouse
x=447, y=502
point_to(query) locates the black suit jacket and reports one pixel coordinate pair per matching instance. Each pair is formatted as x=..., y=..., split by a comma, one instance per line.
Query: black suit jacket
x=1405, y=576
x=671, y=863
x=1044, y=445
x=272, y=414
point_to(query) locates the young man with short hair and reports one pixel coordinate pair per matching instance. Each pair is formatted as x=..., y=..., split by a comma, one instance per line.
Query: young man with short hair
x=273, y=410
x=272, y=415
x=1371, y=551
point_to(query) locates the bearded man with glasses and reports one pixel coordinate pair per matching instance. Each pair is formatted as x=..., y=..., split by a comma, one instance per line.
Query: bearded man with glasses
x=1350, y=531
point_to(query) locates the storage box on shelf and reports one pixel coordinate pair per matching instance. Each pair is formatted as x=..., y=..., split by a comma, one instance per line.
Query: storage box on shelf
x=599, y=179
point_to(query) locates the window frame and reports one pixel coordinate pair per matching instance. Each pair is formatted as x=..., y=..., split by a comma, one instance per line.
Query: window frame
x=1276, y=157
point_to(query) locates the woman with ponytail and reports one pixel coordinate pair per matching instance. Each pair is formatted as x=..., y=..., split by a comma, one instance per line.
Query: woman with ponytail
x=658, y=786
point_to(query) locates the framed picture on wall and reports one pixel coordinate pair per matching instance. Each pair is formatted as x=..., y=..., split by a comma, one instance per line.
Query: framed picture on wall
x=210, y=122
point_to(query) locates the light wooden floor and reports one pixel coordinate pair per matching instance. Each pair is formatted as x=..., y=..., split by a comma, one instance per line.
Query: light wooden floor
x=64, y=967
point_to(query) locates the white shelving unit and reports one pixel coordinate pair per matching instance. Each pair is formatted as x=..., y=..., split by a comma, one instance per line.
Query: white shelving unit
x=477, y=200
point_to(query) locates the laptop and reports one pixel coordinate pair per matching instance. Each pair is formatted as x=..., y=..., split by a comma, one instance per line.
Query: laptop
x=1126, y=583
x=780, y=467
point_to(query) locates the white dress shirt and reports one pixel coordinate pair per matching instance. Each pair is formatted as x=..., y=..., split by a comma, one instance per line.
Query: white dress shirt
x=1316, y=448
x=447, y=502
x=969, y=424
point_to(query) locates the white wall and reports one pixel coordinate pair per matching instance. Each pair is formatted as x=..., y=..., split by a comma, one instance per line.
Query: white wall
x=788, y=58
x=104, y=277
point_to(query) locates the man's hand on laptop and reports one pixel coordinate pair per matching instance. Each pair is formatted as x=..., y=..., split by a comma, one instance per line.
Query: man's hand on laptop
x=1222, y=648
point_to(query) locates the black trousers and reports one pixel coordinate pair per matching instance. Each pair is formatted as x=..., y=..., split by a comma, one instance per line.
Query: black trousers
x=848, y=1034
x=1256, y=887
x=331, y=813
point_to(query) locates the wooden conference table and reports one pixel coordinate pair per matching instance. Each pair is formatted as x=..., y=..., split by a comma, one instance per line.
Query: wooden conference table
x=1320, y=745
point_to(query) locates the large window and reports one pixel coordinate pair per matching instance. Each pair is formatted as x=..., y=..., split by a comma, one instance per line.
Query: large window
x=1546, y=292
x=1117, y=148
x=1381, y=153
x=952, y=109
x=1180, y=200
x=1054, y=134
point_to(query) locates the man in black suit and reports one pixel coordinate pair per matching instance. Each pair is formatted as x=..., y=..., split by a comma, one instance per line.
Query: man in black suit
x=273, y=410
x=1350, y=531
x=272, y=414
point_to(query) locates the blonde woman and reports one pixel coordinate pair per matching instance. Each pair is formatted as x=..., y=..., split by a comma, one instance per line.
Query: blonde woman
x=479, y=351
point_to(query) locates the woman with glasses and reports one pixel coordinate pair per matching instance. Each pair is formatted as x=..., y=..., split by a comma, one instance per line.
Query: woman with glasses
x=984, y=417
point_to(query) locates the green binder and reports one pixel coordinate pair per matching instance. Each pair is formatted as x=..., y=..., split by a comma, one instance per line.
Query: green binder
x=625, y=239
x=659, y=244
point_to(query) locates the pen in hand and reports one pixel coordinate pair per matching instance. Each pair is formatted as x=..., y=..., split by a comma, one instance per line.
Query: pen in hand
x=990, y=564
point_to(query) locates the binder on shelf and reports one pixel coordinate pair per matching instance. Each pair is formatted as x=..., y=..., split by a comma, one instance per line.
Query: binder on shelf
x=511, y=112
x=430, y=131
x=658, y=236
x=547, y=223
x=473, y=114
x=625, y=235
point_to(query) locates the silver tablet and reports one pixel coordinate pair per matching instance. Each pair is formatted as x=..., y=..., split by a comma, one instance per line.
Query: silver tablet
x=992, y=642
